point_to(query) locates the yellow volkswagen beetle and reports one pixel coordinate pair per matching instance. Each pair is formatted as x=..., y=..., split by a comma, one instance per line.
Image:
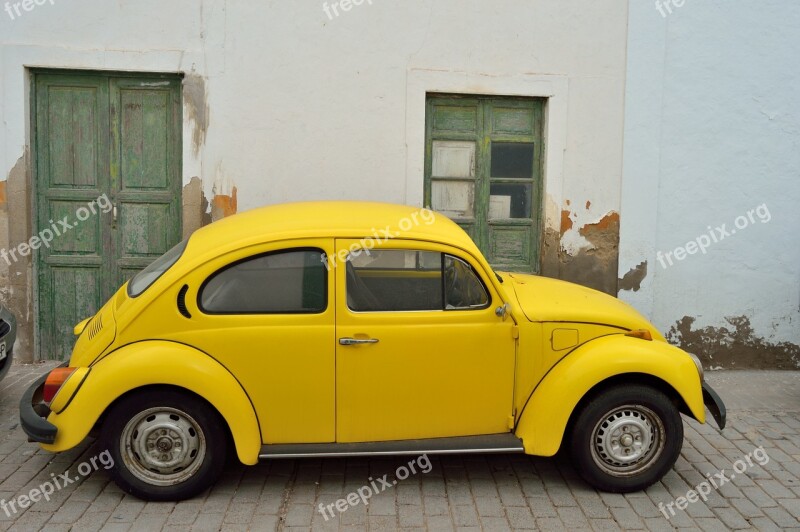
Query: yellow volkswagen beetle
x=349, y=328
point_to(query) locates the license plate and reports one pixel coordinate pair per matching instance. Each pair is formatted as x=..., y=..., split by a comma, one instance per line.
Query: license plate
x=2, y=350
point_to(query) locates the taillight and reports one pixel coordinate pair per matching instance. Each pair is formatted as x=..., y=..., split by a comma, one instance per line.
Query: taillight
x=55, y=380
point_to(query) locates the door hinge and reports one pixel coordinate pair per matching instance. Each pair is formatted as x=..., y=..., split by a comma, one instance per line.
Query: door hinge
x=511, y=421
x=515, y=331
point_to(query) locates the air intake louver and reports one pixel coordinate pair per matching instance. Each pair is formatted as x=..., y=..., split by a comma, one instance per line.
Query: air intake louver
x=182, y=302
x=95, y=326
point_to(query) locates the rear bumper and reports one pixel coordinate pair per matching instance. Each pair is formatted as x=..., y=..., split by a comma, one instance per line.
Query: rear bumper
x=33, y=413
x=714, y=405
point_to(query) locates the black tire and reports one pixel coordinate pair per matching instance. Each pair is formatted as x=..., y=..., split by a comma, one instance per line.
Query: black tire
x=185, y=439
x=5, y=364
x=653, y=436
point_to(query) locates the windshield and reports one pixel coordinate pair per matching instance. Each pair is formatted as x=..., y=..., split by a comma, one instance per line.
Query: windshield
x=148, y=276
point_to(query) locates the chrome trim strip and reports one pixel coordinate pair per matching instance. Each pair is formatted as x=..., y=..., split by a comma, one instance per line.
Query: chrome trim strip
x=390, y=453
x=492, y=443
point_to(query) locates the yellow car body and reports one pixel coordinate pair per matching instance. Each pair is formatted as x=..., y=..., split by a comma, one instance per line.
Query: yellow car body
x=520, y=365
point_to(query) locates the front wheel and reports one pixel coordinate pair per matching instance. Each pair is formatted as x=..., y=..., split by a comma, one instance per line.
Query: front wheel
x=626, y=438
x=166, y=445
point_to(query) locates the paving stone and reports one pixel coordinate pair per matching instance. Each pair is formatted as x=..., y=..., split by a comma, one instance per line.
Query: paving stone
x=603, y=524
x=495, y=523
x=411, y=515
x=520, y=517
x=550, y=523
x=627, y=518
x=489, y=507
x=542, y=507
x=301, y=514
x=464, y=516
x=573, y=517
x=436, y=506
x=782, y=518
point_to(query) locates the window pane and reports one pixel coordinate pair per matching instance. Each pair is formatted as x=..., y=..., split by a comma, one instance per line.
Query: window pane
x=463, y=288
x=512, y=159
x=453, y=159
x=394, y=280
x=454, y=199
x=156, y=269
x=510, y=201
x=278, y=283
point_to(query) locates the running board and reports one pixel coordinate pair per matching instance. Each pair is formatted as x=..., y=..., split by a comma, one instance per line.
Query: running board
x=493, y=443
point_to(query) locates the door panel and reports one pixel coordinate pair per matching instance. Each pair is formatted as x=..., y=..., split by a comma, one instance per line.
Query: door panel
x=71, y=170
x=285, y=362
x=78, y=146
x=145, y=166
x=432, y=373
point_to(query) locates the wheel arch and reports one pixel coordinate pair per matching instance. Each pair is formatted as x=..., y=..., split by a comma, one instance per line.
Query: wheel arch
x=599, y=365
x=620, y=380
x=138, y=366
x=150, y=388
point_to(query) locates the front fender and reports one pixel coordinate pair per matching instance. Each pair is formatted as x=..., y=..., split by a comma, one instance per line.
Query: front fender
x=152, y=363
x=544, y=418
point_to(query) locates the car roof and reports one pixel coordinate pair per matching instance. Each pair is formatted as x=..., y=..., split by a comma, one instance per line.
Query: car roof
x=334, y=219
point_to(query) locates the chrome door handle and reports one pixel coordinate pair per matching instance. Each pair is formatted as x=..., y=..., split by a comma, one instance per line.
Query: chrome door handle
x=357, y=341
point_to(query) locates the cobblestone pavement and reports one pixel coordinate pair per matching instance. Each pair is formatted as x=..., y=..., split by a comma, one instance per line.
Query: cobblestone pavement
x=463, y=492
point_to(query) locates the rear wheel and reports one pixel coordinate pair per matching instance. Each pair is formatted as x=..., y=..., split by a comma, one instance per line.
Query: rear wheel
x=626, y=438
x=166, y=445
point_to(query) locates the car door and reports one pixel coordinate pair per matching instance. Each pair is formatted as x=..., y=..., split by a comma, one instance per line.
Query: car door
x=266, y=313
x=420, y=351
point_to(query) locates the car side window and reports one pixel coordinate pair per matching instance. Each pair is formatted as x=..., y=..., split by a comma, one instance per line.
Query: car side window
x=411, y=280
x=285, y=282
x=463, y=288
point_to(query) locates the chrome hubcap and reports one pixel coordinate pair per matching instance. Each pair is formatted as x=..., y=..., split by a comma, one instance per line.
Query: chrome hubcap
x=163, y=446
x=627, y=440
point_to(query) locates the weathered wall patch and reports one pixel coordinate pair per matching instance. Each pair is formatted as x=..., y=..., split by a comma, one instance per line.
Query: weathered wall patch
x=733, y=348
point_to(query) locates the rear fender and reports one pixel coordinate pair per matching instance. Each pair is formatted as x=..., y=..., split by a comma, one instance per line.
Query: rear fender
x=158, y=363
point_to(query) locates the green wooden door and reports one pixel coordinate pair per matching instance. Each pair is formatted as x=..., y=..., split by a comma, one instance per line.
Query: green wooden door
x=107, y=171
x=483, y=170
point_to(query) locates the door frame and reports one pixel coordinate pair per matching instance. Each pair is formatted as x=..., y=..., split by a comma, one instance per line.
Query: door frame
x=32, y=183
x=482, y=227
x=555, y=88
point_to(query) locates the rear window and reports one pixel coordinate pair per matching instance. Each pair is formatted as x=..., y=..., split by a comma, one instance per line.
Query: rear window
x=285, y=282
x=145, y=278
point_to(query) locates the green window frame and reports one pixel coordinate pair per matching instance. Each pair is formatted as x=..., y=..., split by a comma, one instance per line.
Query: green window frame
x=483, y=169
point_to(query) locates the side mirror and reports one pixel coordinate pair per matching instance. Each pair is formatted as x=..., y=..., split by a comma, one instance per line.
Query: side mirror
x=501, y=312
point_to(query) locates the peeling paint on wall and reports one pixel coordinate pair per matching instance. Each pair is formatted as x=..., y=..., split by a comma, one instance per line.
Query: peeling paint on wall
x=223, y=205
x=224, y=200
x=736, y=348
x=2, y=193
x=633, y=279
x=195, y=103
x=578, y=246
x=551, y=253
x=17, y=291
x=608, y=221
x=590, y=255
x=566, y=221
x=195, y=207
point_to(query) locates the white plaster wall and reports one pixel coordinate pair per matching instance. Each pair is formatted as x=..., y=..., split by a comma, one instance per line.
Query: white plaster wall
x=305, y=107
x=301, y=106
x=712, y=130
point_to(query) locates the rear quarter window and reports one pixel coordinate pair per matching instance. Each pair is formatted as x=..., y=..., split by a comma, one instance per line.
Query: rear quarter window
x=284, y=282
